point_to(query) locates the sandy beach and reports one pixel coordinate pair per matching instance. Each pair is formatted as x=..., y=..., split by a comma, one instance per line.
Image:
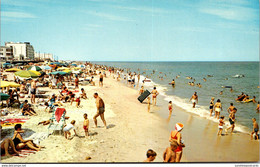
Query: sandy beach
x=132, y=131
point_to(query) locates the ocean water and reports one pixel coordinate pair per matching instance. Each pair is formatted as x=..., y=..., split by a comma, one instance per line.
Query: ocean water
x=222, y=73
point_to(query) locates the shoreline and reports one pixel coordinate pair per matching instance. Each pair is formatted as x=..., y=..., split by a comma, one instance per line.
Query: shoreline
x=125, y=115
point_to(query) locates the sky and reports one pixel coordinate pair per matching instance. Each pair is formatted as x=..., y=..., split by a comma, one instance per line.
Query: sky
x=135, y=30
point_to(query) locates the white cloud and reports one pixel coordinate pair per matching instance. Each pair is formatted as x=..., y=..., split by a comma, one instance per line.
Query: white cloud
x=231, y=10
x=16, y=14
x=109, y=16
x=143, y=9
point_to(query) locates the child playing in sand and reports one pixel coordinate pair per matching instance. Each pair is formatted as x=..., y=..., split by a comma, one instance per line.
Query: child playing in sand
x=220, y=125
x=86, y=124
x=149, y=103
x=255, y=129
x=151, y=155
x=67, y=129
x=83, y=94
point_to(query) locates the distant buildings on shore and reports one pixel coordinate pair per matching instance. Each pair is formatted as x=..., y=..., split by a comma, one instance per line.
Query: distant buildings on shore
x=22, y=51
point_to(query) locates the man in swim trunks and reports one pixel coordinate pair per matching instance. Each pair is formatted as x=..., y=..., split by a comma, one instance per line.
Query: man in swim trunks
x=101, y=79
x=173, y=83
x=231, y=121
x=169, y=155
x=194, y=98
x=100, y=110
x=231, y=108
x=33, y=91
x=255, y=129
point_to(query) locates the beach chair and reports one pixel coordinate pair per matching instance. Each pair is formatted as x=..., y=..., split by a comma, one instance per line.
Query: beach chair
x=57, y=120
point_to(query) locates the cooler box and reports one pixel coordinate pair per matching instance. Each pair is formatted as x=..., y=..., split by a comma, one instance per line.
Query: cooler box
x=143, y=96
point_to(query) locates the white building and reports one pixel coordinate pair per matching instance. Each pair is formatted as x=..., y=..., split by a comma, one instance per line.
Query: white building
x=6, y=53
x=43, y=56
x=21, y=50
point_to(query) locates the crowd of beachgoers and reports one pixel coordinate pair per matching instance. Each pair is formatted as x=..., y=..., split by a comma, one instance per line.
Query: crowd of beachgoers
x=21, y=90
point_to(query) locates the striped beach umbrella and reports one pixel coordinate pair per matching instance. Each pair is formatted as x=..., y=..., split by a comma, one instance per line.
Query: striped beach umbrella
x=36, y=72
x=34, y=68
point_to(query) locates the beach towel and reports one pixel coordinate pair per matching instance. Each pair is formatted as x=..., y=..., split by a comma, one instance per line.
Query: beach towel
x=59, y=112
x=38, y=137
x=13, y=121
x=22, y=153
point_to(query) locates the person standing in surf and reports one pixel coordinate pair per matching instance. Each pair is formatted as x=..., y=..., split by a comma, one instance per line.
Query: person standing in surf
x=194, y=98
x=218, y=108
x=231, y=120
x=211, y=106
x=155, y=93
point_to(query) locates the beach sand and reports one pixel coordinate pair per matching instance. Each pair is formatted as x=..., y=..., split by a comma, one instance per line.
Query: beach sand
x=132, y=131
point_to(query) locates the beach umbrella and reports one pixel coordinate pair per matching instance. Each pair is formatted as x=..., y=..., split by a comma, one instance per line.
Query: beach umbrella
x=58, y=72
x=63, y=68
x=34, y=68
x=12, y=70
x=45, y=67
x=9, y=84
x=74, y=65
x=26, y=74
x=4, y=96
x=36, y=72
x=67, y=71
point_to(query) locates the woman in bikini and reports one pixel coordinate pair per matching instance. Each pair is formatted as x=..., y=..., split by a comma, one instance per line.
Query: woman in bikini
x=211, y=106
x=218, y=108
x=154, y=94
x=176, y=136
x=20, y=143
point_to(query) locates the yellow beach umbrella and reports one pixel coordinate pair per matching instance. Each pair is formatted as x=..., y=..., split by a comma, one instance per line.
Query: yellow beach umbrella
x=12, y=70
x=35, y=72
x=67, y=71
x=63, y=68
x=8, y=84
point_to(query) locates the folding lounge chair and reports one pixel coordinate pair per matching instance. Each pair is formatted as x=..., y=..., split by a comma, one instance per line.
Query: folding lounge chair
x=57, y=120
